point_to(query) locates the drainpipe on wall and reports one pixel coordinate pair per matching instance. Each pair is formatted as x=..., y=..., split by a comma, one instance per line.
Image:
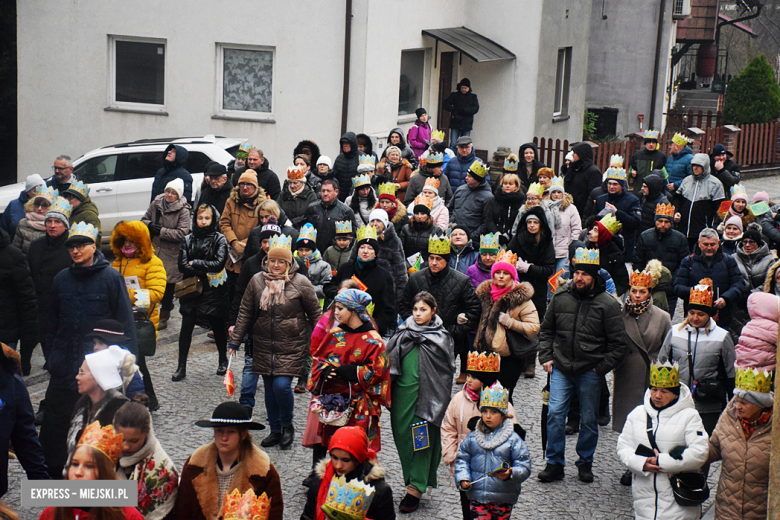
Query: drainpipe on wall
x=659, y=36
x=347, y=53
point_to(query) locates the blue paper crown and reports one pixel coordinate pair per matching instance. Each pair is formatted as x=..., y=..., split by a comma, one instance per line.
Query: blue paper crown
x=80, y=188
x=586, y=256
x=309, y=233
x=343, y=227
x=61, y=205
x=494, y=397
x=244, y=147
x=280, y=242
x=348, y=499
x=738, y=188
x=651, y=134
x=435, y=159
x=489, y=243
x=616, y=174
x=46, y=191
x=366, y=159
x=85, y=230
x=360, y=180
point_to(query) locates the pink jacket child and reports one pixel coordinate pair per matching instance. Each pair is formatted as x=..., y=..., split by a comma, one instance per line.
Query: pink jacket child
x=757, y=345
x=419, y=137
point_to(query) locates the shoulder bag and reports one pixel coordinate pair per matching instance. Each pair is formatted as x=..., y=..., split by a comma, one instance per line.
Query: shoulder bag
x=521, y=347
x=191, y=287
x=146, y=335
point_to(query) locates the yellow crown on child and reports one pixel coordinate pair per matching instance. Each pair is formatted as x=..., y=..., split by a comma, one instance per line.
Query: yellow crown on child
x=79, y=187
x=435, y=159
x=308, y=232
x=702, y=293
x=495, y=396
x=46, y=191
x=616, y=161
x=680, y=139
x=359, y=181
x=507, y=256
x=422, y=200
x=738, y=189
x=280, y=242
x=439, y=244
x=387, y=188
x=478, y=168
x=664, y=376
x=367, y=160
x=483, y=362
x=247, y=506
x=510, y=163
x=348, y=500
x=489, y=243
x=343, y=227
x=437, y=134
x=432, y=182
x=85, y=230
x=651, y=134
x=753, y=380
x=611, y=224
x=61, y=205
x=104, y=439
x=664, y=210
x=295, y=173
x=616, y=174
x=536, y=189
x=366, y=233
x=586, y=256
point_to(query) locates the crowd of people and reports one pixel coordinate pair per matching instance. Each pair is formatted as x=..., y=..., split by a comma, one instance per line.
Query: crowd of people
x=379, y=282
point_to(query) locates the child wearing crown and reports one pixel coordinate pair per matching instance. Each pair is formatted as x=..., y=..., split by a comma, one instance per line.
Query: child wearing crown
x=396, y=211
x=604, y=237
x=739, y=208
x=363, y=198
x=496, y=444
x=340, y=251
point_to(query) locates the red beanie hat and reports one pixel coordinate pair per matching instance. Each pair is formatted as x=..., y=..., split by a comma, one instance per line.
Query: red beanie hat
x=354, y=441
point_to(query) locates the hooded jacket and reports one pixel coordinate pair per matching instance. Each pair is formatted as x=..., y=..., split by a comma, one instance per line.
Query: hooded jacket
x=345, y=165
x=678, y=166
x=462, y=107
x=648, y=203
x=175, y=221
x=13, y=213
x=239, y=219
x=406, y=151
x=457, y=168
x=571, y=225
x=18, y=299
x=390, y=257
x=541, y=256
x=582, y=176
x=173, y=170
x=526, y=177
x=643, y=163
x=419, y=138
x=677, y=425
x=216, y=198
x=80, y=297
x=417, y=182
x=502, y=212
x=670, y=248
x=369, y=146
x=757, y=345
x=47, y=257
x=754, y=267
x=315, y=151
x=415, y=240
x=468, y=208
x=336, y=256
x=88, y=212
x=698, y=199
x=629, y=213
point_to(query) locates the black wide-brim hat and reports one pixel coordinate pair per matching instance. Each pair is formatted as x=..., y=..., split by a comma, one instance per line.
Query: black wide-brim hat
x=110, y=331
x=230, y=414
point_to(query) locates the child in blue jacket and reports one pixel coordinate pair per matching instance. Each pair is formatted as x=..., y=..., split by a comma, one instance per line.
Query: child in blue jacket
x=493, y=460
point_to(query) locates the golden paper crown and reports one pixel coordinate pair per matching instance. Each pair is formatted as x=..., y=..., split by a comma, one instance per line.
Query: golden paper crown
x=616, y=161
x=422, y=200
x=247, y=506
x=586, y=256
x=478, y=168
x=483, y=362
x=664, y=376
x=387, y=188
x=641, y=279
x=753, y=380
x=61, y=205
x=611, y=224
x=510, y=163
x=361, y=180
x=295, y=173
x=46, y=191
x=536, y=189
x=507, y=256
x=702, y=294
x=439, y=244
x=432, y=182
x=366, y=233
x=84, y=229
x=103, y=439
x=651, y=134
x=494, y=397
x=343, y=227
x=435, y=159
x=489, y=243
x=308, y=232
x=738, y=188
x=664, y=210
x=616, y=174
x=348, y=499
x=79, y=187
x=680, y=139
x=367, y=160
x=438, y=134
x=280, y=242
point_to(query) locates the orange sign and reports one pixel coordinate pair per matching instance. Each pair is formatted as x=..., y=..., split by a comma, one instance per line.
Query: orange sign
x=553, y=280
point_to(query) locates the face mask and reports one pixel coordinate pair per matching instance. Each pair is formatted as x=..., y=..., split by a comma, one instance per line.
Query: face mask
x=128, y=251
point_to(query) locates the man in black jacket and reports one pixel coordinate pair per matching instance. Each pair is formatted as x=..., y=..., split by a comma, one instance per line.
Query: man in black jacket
x=324, y=214
x=462, y=105
x=722, y=167
x=217, y=187
x=19, y=316
x=582, y=176
x=346, y=164
x=174, y=162
x=646, y=160
x=266, y=178
x=582, y=338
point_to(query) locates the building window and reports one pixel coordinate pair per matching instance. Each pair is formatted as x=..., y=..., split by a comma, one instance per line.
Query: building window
x=562, y=78
x=410, y=94
x=138, y=73
x=245, y=81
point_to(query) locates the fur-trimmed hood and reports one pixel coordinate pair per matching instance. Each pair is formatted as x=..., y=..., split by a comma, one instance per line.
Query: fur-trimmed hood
x=400, y=212
x=235, y=196
x=521, y=293
x=136, y=231
x=769, y=283
x=377, y=472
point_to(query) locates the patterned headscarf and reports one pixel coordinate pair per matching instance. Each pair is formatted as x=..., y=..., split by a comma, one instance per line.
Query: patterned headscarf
x=356, y=301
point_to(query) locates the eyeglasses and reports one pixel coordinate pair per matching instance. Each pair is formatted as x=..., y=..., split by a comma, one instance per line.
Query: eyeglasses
x=58, y=169
x=79, y=246
x=749, y=241
x=245, y=185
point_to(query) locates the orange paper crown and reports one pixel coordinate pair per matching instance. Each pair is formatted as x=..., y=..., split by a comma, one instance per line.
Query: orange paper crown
x=665, y=210
x=507, y=256
x=295, y=173
x=247, y=506
x=103, y=439
x=483, y=362
x=702, y=293
x=643, y=279
x=433, y=182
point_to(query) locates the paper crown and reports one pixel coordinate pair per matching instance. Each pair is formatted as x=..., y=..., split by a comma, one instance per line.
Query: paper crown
x=507, y=256
x=366, y=233
x=348, y=500
x=343, y=227
x=61, y=205
x=586, y=256
x=679, y=139
x=495, y=396
x=641, y=279
x=435, y=159
x=84, y=230
x=105, y=440
x=439, y=244
x=247, y=506
x=46, y=191
x=701, y=294
x=651, y=134
x=753, y=380
x=664, y=376
x=664, y=210
x=422, y=200
x=308, y=232
x=295, y=173
x=367, y=160
x=510, y=163
x=387, y=188
x=80, y=188
x=489, y=243
x=432, y=182
x=557, y=182
x=245, y=147
x=484, y=362
x=611, y=224
x=536, y=189
x=478, y=168
x=280, y=242
x=437, y=134
x=616, y=161
x=738, y=188
x=360, y=181
x=616, y=174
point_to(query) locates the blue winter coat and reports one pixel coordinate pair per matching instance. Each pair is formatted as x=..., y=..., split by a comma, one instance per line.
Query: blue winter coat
x=79, y=298
x=629, y=213
x=481, y=453
x=170, y=171
x=467, y=257
x=678, y=166
x=457, y=168
x=13, y=213
x=468, y=208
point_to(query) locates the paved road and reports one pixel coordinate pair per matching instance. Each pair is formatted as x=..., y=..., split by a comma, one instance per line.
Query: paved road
x=194, y=398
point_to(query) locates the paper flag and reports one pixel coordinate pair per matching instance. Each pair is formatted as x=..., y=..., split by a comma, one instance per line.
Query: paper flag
x=553, y=280
x=759, y=208
x=228, y=381
x=724, y=206
x=361, y=285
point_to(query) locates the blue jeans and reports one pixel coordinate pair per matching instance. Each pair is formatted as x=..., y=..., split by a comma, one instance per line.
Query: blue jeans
x=562, y=387
x=248, y=384
x=279, y=401
x=454, y=134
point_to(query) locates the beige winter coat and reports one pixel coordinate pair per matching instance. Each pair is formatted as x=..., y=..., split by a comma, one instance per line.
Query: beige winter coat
x=175, y=222
x=517, y=303
x=238, y=220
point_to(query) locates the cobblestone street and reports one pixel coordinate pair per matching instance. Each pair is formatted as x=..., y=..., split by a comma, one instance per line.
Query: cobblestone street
x=181, y=404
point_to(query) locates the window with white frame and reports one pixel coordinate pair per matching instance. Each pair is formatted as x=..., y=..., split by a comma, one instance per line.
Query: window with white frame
x=137, y=73
x=562, y=79
x=245, y=77
x=411, y=88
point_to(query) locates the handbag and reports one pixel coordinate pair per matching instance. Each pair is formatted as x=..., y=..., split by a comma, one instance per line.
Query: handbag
x=188, y=288
x=690, y=489
x=521, y=347
x=332, y=417
x=710, y=390
x=146, y=336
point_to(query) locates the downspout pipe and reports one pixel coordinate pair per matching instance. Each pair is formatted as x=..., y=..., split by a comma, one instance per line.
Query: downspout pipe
x=347, y=55
x=658, y=38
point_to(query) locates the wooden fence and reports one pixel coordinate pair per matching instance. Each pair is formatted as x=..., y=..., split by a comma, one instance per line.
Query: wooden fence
x=757, y=144
x=680, y=121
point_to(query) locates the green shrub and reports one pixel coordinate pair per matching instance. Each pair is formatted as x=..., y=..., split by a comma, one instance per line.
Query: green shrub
x=589, y=126
x=753, y=95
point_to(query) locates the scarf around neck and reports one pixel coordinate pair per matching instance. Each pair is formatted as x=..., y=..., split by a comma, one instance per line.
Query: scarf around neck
x=635, y=309
x=748, y=427
x=496, y=292
x=273, y=294
x=36, y=221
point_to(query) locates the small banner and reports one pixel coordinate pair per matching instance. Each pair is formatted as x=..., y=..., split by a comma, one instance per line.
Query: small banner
x=503, y=467
x=553, y=280
x=724, y=206
x=361, y=285
x=420, y=438
x=759, y=208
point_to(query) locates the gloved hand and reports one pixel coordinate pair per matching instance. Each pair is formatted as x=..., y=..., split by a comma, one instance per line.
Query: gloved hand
x=522, y=266
x=503, y=239
x=677, y=452
x=154, y=229
x=504, y=319
x=347, y=372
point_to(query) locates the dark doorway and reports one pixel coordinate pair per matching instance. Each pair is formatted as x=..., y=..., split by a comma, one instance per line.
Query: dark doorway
x=8, y=129
x=446, y=63
x=606, y=124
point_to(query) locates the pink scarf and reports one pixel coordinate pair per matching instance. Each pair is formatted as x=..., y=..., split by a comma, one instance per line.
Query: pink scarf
x=497, y=293
x=36, y=221
x=474, y=396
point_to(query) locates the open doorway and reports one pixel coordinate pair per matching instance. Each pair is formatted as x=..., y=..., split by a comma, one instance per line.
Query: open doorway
x=446, y=66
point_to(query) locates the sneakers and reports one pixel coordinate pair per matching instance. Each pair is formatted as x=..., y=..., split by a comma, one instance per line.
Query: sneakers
x=585, y=473
x=409, y=504
x=626, y=478
x=300, y=388
x=551, y=473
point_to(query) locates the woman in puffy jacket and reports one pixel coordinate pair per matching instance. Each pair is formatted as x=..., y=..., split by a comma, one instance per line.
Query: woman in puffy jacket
x=571, y=225
x=203, y=254
x=502, y=210
x=678, y=436
x=296, y=195
x=533, y=244
x=420, y=133
x=33, y=226
x=395, y=168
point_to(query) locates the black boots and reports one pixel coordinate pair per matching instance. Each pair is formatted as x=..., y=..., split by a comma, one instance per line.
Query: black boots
x=551, y=473
x=585, y=473
x=288, y=434
x=181, y=372
x=271, y=440
x=153, y=405
x=222, y=368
